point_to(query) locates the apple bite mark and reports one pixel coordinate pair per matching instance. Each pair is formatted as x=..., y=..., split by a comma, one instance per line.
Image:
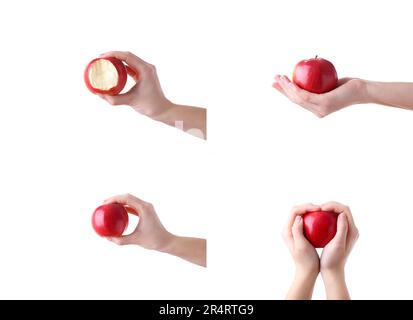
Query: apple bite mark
x=103, y=75
x=106, y=76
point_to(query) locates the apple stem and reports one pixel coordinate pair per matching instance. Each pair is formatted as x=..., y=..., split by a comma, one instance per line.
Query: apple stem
x=316, y=56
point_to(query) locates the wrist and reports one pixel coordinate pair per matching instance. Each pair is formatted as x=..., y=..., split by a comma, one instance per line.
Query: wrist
x=165, y=242
x=168, y=243
x=335, y=284
x=306, y=274
x=161, y=112
x=369, y=89
x=332, y=274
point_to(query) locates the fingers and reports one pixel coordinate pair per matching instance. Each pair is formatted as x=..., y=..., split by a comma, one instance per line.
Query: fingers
x=298, y=210
x=297, y=230
x=339, y=208
x=343, y=81
x=129, y=58
x=118, y=100
x=353, y=233
x=123, y=240
x=342, y=230
x=130, y=202
x=276, y=85
x=299, y=96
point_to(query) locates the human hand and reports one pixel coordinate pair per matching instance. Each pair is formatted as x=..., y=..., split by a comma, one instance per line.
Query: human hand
x=149, y=233
x=336, y=252
x=349, y=91
x=304, y=254
x=146, y=96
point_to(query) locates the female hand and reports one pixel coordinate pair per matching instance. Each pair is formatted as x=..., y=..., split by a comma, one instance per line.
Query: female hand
x=349, y=91
x=146, y=96
x=149, y=233
x=336, y=252
x=305, y=256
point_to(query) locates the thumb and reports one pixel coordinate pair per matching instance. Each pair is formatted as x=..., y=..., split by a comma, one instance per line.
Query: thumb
x=120, y=99
x=342, y=229
x=297, y=230
x=122, y=240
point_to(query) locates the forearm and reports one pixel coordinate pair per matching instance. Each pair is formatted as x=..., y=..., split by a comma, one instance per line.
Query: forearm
x=392, y=94
x=302, y=286
x=335, y=285
x=189, y=249
x=189, y=119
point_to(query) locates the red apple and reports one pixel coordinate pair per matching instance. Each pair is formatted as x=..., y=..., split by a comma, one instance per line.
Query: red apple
x=315, y=75
x=110, y=220
x=106, y=76
x=320, y=227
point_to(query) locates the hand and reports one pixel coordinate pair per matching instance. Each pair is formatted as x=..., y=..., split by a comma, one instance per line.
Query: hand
x=336, y=252
x=146, y=96
x=149, y=233
x=349, y=91
x=305, y=256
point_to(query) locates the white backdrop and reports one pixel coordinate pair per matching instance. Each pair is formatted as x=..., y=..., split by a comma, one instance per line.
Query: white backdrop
x=63, y=150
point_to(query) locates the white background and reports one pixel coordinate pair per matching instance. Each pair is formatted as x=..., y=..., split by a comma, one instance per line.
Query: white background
x=63, y=150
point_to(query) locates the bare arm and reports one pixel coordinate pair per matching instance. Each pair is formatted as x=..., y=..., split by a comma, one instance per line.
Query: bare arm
x=350, y=91
x=147, y=98
x=335, y=285
x=394, y=94
x=307, y=262
x=192, y=120
x=151, y=234
x=189, y=249
x=336, y=252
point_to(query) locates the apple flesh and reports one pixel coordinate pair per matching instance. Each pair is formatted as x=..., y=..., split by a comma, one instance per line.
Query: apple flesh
x=320, y=227
x=106, y=76
x=110, y=220
x=315, y=75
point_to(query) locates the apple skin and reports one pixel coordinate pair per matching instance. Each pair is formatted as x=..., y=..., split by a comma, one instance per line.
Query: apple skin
x=320, y=227
x=122, y=77
x=110, y=220
x=315, y=75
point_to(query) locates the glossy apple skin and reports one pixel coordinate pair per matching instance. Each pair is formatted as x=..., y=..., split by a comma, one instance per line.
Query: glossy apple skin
x=122, y=77
x=110, y=220
x=320, y=227
x=316, y=75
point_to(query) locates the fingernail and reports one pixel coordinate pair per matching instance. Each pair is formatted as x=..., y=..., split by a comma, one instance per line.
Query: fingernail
x=298, y=219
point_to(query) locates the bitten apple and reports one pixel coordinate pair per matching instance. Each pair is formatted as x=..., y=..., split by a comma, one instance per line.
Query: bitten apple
x=316, y=75
x=110, y=220
x=320, y=227
x=106, y=76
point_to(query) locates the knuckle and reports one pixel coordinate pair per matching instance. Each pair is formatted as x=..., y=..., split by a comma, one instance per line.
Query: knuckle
x=148, y=205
